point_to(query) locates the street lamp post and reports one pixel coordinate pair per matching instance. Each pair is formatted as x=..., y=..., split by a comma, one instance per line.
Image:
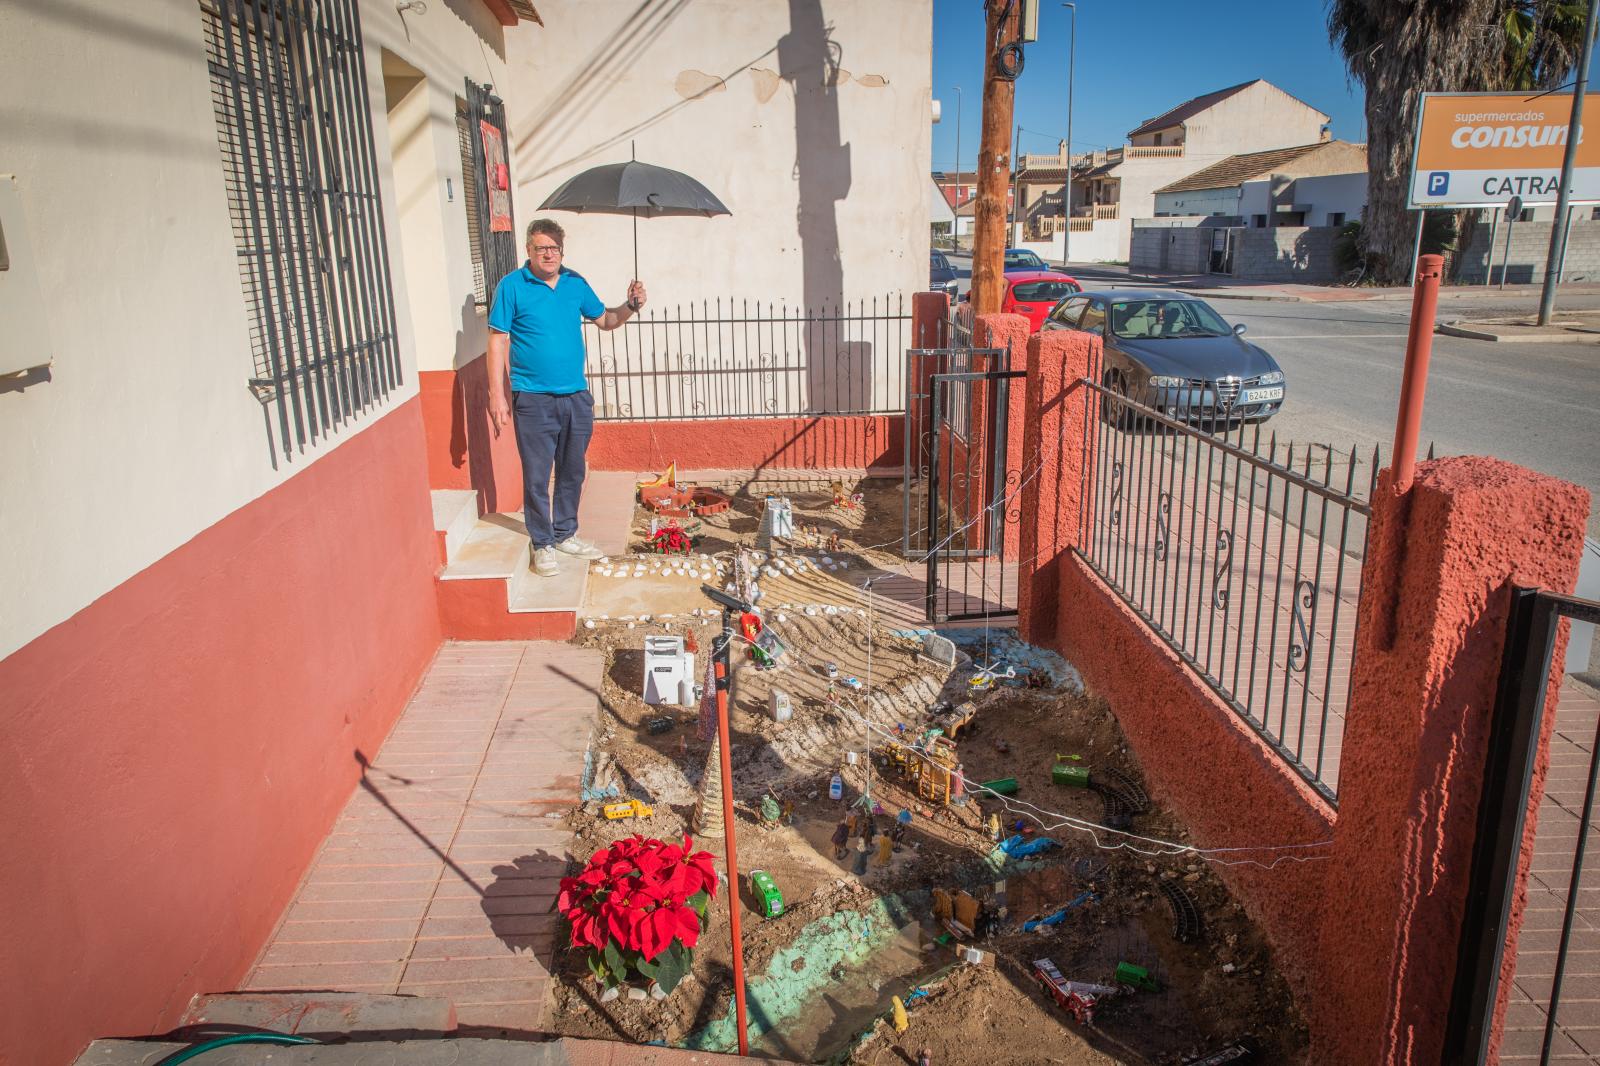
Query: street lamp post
x=955, y=226
x=1066, y=194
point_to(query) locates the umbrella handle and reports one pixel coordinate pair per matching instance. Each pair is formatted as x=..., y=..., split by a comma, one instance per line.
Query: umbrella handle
x=635, y=246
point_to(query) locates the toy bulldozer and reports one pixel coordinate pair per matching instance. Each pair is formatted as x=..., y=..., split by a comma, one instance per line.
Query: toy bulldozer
x=627, y=809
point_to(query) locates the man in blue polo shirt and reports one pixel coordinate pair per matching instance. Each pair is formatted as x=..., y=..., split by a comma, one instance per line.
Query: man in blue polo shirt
x=535, y=325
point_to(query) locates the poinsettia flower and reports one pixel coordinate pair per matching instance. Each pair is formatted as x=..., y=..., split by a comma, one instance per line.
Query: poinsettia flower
x=703, y=862
x=685, y=922
x=585, y=932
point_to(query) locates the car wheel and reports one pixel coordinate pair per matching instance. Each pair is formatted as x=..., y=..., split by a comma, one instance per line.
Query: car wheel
x=1113, y=413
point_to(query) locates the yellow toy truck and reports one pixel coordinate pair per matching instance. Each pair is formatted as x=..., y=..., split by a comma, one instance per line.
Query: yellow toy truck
x=627, y=809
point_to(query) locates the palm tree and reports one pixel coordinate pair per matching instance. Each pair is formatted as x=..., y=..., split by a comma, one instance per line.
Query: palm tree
x=1399, y=49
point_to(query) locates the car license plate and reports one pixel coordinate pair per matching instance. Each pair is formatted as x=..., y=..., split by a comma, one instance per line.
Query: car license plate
x=1263, y=395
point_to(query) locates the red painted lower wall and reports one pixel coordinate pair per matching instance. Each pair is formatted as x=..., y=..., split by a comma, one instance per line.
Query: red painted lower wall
x=462, y=448
x=835, y=442
x=173, y=754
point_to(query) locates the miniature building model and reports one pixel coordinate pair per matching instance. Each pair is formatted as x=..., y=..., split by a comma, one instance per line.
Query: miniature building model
x=666, y=667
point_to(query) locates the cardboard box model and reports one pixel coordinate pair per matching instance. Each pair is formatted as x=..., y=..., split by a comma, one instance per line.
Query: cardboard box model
x=666, y=667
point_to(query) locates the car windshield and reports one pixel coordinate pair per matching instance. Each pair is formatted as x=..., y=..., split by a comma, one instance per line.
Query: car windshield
x=938, y=261
x=1038, y=292
x=1160, y=319
x=1018, y=260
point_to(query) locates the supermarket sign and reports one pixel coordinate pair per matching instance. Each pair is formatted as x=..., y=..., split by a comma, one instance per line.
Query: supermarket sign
x=1481, y=149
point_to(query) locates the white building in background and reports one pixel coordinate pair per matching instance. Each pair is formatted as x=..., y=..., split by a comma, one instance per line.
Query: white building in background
x=1111, y=187
x=1321, y=184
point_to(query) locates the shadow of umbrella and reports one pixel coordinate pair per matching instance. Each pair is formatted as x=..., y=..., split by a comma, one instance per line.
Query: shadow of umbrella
x=632, y=187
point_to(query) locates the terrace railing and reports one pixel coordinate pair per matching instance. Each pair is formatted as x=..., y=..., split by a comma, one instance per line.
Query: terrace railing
x=1247, y=566
x=751, y=359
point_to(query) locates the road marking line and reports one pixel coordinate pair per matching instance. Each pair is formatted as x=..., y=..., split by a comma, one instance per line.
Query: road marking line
x=1319, y=336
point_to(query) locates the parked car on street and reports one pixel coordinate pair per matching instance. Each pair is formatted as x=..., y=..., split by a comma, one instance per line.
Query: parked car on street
x=1032, y=293
x=941, y=275
x=1022, y=259
x=1175, y=353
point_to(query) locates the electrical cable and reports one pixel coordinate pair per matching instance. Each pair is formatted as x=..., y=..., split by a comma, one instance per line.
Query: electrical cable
x=234, y=1038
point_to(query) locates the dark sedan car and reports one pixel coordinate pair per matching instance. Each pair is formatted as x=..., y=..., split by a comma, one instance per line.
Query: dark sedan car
x=941, y=275
x=1176, y=353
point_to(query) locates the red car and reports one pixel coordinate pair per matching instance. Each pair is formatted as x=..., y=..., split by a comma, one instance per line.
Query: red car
x=1032, y=293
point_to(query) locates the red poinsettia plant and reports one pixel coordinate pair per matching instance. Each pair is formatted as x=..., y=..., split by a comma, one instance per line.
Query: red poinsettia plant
x=671, y=540
x=639, y=906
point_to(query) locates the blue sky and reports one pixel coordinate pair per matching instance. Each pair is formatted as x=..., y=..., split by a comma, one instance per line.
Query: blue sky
x=1136, y=59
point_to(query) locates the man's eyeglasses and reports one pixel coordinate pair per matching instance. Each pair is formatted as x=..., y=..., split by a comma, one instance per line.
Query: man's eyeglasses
x=547, y=249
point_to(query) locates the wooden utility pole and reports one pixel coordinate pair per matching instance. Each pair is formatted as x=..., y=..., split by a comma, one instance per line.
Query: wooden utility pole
x=994, y=164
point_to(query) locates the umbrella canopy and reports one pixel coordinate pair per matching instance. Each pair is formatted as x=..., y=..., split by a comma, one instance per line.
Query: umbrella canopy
x=631, y=188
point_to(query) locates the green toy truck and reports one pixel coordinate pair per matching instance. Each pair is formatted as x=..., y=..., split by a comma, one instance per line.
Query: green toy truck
x=769, y=901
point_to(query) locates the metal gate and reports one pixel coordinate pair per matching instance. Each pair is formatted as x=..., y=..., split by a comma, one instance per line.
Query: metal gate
x=957, y=415
x=1508, y=778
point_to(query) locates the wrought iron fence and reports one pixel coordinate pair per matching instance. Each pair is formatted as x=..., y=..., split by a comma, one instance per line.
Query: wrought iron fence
x=743, y=359
x=1247, y=567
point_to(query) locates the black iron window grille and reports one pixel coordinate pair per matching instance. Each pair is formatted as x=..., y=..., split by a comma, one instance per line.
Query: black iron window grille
x=289, y=92
x=1242, y=553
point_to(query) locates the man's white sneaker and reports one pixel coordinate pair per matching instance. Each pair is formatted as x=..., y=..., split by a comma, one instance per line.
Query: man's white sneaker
x=546, y=563
x=579, y=548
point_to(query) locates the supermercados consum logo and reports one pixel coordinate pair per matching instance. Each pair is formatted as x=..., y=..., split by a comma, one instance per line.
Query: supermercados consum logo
x=1481, y=149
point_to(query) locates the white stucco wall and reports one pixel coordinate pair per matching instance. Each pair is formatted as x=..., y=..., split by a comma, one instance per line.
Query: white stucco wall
x=827, y=183
x=1330, y=193
x=145, y=432
x=1198, y=202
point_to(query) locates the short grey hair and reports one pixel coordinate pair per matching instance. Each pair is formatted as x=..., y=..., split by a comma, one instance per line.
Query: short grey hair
x=549, y=227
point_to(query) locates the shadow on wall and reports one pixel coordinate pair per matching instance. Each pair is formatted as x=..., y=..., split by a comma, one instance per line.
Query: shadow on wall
x=810, y=58
x=471, y=432
x=566, y=110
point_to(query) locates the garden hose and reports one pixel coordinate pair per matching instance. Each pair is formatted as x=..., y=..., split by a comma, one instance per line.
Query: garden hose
x=236, y=1038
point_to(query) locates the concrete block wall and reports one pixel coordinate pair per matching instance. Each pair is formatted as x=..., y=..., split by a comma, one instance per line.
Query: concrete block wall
x=1170, y=249
x=1284, y=253
x=1530, y=244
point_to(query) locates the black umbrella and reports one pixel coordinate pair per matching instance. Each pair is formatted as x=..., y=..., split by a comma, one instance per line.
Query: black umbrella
x=633, y=187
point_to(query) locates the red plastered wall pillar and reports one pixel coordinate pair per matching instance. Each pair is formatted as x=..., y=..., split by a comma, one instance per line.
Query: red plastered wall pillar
x=1435, y=599
x=1058, y=453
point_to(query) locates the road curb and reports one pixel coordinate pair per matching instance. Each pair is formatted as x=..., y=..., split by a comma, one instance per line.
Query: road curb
x=1228, y=294
x=1453, y=329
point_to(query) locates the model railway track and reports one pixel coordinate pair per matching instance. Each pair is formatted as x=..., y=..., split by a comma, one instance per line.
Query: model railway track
x=1186, y=925
x=1123, y=797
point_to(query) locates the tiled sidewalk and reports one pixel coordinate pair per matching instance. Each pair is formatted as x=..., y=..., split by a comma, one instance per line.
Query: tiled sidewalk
x=439, y=879
x=1577, y=1035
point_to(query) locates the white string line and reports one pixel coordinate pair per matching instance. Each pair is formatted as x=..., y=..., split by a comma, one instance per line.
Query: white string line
x=1092, y=829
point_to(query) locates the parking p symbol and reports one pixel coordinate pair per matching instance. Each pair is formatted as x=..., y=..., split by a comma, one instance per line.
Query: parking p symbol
x=1438, y=183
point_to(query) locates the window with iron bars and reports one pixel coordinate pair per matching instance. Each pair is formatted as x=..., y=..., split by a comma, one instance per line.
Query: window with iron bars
x=289, y=93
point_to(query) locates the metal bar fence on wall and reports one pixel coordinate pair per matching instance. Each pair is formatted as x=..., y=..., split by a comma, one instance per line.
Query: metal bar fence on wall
x=727, y=358
x=1247, y=567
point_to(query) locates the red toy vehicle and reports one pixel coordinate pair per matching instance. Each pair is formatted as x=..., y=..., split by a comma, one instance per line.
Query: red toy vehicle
x=1078, y=998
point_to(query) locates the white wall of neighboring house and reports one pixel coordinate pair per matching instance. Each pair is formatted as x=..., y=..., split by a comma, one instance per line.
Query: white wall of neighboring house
x=145, y=432
x=1198, y=202
x=939, y=210
x=1332, y=194
x=1254, y=119
x=809, y=119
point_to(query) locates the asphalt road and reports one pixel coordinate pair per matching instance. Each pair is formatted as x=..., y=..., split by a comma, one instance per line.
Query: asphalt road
x=1533, y=404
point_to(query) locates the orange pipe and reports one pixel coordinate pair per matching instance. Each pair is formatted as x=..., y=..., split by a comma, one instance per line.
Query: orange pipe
x=1419, y=349
x=727, y=835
